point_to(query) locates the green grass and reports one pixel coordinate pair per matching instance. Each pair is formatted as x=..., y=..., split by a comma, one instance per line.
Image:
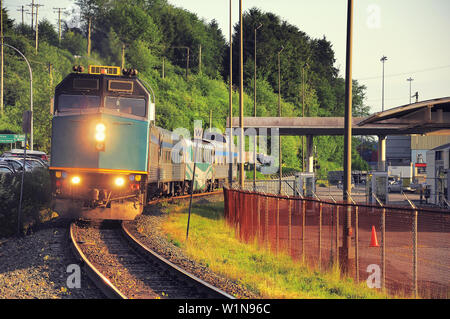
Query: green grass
x=213, y=243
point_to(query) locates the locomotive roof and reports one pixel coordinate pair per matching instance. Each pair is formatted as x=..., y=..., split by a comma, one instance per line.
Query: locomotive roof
x=67, y=84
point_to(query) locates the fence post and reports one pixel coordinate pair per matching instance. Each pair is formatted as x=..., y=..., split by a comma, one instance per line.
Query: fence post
x=320, y=235
x=252, y=212
x=289, y=227
x=303, y=228
x=266, y=223
x=414, y=244
x=337, y=236
x=277, y=230
x=258, y=208
x=415, y=253
x=383, y=249
x=356, y=244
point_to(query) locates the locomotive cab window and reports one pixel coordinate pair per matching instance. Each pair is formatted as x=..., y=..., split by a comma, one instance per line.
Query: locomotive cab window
x=135, y=106
x=68, y=102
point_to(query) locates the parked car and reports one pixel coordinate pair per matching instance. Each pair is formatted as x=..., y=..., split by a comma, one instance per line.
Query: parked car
x=6, y=169
x=10, y=165
x=19, y=153
x=17, y=163
x=395, y=187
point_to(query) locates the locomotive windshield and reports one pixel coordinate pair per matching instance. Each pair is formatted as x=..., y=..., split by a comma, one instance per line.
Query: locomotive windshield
x=135, y=106
x=68, y=102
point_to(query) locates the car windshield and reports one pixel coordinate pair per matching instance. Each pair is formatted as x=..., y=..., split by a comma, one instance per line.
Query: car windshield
x=135, y=106
x=68, y=102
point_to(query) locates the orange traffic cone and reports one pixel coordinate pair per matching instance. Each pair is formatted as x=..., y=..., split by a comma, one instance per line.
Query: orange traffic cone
x=373, y=240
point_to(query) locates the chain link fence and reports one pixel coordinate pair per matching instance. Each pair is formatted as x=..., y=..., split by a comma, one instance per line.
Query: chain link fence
x=403, y=250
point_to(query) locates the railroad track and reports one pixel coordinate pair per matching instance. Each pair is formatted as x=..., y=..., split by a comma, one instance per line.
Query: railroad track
x=122, y=267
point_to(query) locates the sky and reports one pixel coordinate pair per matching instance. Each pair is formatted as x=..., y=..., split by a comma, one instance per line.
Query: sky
x=412, y=34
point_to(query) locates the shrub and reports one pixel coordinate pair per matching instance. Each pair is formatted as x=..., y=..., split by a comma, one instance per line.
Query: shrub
x=35, y=201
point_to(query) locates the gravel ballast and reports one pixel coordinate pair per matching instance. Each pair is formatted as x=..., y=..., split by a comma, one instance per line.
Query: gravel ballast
x=147, y=229
x=35, y=267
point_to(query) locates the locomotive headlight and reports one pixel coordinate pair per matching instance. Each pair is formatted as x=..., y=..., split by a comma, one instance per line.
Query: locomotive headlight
x=100, y=136
x=76, y=180
x=119, y=181
x=100, y=132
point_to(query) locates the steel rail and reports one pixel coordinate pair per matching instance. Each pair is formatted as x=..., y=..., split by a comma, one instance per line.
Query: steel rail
x=111, y=291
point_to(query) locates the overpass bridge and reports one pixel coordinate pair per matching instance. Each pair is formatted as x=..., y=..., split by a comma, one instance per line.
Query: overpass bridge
x=431, y=117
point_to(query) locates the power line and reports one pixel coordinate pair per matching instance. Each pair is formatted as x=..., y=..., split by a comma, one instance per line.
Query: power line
x=405, y=73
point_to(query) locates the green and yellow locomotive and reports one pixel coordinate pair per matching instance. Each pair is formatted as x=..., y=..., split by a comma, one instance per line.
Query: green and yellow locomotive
x=107, y=156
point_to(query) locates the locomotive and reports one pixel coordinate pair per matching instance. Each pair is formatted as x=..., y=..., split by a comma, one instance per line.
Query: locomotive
x=108, y=158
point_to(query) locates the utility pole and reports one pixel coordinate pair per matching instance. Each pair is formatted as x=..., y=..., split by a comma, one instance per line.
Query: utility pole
x=241, y=97
x=23, y=10
x=254, y=114
x=199, y=58
x=59, y=21
x=410, y=80
x=50, y=73
x=32, y=13
x=279, y=115
x=346, y=252
x=383, y=59
x=89, y=41
x=210, y=119
x=187, y=63
x=163, y=75
x=37, y=25
x=230, y=125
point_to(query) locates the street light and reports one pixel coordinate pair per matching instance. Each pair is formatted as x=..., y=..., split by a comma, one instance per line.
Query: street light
x=410, y=80
x=254, y=114
x=279, y=114
x=230, y=124
x=383, y=59
x=31, y=89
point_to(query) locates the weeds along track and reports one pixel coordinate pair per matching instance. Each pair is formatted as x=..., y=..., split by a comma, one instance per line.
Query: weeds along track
x=122, y=267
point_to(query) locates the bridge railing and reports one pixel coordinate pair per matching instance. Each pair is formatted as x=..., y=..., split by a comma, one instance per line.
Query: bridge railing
x=403, y=250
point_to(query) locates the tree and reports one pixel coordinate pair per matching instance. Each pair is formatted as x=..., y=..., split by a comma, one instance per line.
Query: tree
x=47, y=33
x=90, y=9
x=131, y=23
x=74, y=42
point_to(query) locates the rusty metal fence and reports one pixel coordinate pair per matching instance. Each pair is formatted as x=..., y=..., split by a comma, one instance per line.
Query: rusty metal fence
x=402, y=250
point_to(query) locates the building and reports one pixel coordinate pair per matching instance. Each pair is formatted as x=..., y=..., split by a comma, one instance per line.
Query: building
x=438, y=175
x=404, y=150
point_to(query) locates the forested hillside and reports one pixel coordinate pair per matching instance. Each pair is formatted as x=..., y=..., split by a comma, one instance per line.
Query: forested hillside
x=153, y=36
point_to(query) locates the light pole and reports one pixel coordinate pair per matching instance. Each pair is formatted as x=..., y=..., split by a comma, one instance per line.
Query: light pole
x=303, y=112
x=383, y=59
x=346, y=254
x=241, y=98
x=279, y=114
x=31, y=89
x=230, y=149
x=410, y=80
x=254, y=114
